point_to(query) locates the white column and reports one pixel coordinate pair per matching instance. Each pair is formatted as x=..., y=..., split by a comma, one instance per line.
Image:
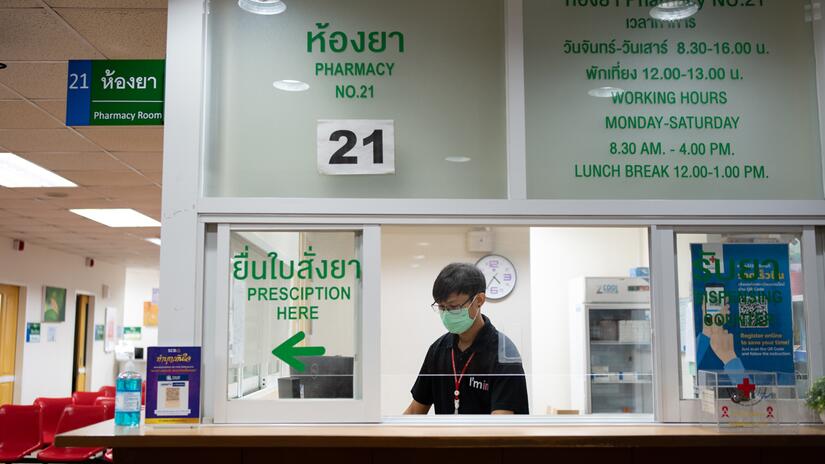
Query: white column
x=178, y=315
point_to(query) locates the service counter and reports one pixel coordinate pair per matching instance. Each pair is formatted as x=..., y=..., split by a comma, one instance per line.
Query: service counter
x=476, y=444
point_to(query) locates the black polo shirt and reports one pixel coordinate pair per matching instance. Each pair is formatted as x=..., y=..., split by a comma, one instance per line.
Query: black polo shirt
x=494, y=380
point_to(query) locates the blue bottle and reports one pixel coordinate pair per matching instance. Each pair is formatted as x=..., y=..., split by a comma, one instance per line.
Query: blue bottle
x=127, y=398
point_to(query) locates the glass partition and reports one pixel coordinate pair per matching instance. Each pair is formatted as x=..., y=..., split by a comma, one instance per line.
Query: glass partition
x=567, y=317
x=295, y=298
x=390, y=99
x=741, y=307
x=620, y=104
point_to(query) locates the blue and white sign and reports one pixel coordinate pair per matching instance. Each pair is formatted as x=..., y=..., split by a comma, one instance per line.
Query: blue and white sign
x=742, y=308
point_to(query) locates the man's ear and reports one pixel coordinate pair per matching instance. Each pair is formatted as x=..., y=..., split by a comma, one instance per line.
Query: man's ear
x=482, y=297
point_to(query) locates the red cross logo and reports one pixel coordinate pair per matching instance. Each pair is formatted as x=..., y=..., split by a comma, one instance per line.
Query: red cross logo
x=746, y=388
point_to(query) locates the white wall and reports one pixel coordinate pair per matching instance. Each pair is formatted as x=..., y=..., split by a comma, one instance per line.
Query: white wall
x=684, y=277
x=558, y=255
x=47, y=367
x=411, y=258
x=684, y=271
x=139, y=283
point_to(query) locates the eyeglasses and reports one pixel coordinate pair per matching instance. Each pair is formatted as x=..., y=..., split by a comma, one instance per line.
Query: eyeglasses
x=441, y=308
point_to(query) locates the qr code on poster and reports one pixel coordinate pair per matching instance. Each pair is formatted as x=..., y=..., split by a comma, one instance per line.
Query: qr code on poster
x=753, y=314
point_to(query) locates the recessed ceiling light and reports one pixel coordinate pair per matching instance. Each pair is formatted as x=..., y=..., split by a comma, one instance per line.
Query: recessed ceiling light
x=605, y=92
x=423, y=244
x=674, y=10
x=263, y=7
x=117, y=217
x=458, y=159
x=289, y=85
x=156, y=241
x=419, y=257
x=16, y=172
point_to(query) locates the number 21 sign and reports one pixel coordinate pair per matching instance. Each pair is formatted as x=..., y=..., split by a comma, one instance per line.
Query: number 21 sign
x=356, y=147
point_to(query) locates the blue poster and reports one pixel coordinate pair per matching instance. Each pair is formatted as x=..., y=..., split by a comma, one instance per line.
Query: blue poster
x=742, y=308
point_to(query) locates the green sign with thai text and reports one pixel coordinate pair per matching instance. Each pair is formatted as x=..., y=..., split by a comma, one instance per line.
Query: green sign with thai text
x=720, y=104
x=357, y=99
x=115, y=93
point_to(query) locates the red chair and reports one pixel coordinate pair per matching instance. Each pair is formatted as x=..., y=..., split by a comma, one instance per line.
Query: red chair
x=74, y=417
x=51, y=409
x=108, y=391
x=108, y=406
x=85, y=398
x=19, y=431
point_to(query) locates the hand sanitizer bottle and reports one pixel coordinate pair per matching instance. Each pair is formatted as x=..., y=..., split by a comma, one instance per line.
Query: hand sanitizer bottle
x=127, y=399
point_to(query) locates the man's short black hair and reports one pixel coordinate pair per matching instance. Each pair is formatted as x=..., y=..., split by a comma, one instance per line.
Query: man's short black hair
x=459, y=278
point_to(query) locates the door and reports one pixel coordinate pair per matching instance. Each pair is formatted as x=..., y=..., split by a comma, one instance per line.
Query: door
x=9, y=297
x=80, y=342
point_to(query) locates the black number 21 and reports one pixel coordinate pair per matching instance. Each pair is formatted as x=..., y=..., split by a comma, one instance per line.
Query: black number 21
x=340, y=156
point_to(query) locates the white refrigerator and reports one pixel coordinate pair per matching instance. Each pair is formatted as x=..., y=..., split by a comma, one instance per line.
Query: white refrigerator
x=610, y=355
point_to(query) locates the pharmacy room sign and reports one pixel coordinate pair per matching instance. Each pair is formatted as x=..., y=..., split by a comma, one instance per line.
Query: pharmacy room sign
x=115, y=93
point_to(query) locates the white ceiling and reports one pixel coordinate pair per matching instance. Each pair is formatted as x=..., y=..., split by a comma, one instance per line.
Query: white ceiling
x=115, y=167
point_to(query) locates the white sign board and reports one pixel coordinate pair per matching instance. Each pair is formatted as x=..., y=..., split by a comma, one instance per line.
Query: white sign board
x=356, y=147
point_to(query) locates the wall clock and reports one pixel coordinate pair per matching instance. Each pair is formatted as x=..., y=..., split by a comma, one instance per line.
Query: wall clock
x=500, y=275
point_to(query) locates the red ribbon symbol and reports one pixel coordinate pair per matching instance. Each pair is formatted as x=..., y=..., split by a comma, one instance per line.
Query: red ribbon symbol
x=725, y=411
x=770, y=412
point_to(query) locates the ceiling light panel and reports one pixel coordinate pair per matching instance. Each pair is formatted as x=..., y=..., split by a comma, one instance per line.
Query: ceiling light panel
x=117, y=217
x=16, y=172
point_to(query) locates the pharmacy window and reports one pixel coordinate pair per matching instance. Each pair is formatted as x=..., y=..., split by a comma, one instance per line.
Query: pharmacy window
x=295, y=325
x=742, y=309
x=561, y=321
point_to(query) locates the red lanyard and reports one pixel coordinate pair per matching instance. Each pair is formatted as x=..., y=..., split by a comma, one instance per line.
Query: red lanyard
x=457, y=378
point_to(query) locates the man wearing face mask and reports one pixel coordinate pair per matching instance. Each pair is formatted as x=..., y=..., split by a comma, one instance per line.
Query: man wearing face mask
x=474, y=368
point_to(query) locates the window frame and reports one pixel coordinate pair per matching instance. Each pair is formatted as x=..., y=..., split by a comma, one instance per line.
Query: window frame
x=668, y=406
x=367, y=338
x=188, y=267
x=672, y=407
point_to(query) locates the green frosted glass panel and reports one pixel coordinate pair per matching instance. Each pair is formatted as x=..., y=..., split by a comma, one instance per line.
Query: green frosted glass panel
x=722, y=105
x=445, y=96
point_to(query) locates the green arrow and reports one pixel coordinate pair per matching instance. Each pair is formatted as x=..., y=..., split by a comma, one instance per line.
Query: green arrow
x=287, y=351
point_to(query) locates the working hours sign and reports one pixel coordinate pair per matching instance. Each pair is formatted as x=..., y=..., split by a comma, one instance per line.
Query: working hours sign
x=115, y=93
x=742, y=308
